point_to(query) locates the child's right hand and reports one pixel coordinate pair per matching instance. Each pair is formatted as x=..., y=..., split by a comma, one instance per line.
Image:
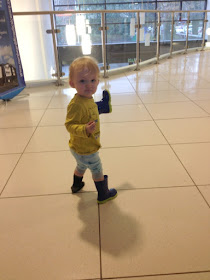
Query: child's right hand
x=90, y=127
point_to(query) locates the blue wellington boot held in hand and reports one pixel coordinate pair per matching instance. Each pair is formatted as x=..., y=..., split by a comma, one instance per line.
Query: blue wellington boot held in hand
x=104, y=194
x=105, y=106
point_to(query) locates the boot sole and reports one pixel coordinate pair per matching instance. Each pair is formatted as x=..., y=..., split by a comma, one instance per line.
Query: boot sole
x=104, y=201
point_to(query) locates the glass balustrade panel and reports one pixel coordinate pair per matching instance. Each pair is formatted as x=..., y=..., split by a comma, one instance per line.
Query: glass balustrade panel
x=148, y=36
x=120, y=39
x=121, y=34
x=80, y=35
x=195, y=30
x=179, y=31
x=93, y=32
x=165, y=32
x=166, y=24
x=195, y=27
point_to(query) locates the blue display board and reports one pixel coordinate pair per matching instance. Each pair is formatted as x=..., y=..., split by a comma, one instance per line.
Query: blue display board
x=11, y=73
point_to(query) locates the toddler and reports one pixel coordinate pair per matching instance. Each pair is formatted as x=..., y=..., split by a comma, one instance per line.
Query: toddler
x=82, y=122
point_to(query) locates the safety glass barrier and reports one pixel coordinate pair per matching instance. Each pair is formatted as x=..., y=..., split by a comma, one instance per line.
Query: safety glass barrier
x=120, y=39
x=195, y=30
x=37, y=59
x=79, y=35
x=166, y=25
x=52, y=40
x=165, y=32
x=179, y=32
x=148, y=36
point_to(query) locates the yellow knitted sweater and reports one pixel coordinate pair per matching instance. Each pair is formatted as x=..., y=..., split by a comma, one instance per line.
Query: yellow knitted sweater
x=80, y=111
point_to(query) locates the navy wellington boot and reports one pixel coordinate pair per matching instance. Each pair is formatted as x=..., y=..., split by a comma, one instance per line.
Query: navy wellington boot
x=104, y=194
x=77, y=184
x=105, y=106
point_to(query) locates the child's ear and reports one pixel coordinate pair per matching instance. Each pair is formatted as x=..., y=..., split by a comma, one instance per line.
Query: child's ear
x=71, y=84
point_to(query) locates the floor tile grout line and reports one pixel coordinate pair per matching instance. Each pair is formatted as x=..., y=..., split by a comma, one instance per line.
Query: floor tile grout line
x=40, y=195
x=194, y=101
x=102, y=122
x=156, y=275
x=116, y=122
x=14, y=127
x=10, y=176
x=21, y=154
x=184, y=93
x=111, y=147
x=155, y=121
x=168, y=102
x=93, y=191
x=155, y=145
x=38, y=123
x=189, y=175
x=197, y=186
x=170, y=145
x=131, y=121
x=100, y=246
x=86, y=279
x=180, y=90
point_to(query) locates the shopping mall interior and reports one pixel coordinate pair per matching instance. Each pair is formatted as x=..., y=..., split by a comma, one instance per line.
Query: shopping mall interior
x=156, y=153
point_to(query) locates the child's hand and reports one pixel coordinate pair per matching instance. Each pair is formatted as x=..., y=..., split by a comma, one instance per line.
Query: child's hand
x=90, y=127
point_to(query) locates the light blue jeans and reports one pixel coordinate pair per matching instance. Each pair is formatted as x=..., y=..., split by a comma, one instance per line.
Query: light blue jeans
x=93, y=162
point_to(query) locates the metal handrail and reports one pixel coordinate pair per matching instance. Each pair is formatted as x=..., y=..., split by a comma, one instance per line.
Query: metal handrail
x=102, y=11
x=103, y=31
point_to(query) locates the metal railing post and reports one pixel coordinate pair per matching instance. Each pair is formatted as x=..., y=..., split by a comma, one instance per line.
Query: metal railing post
x=58, y=83
x=137, y=43
x=172, y=35
x=158, y=39
x=103, y=38
x=204, y=31
x=188, y=22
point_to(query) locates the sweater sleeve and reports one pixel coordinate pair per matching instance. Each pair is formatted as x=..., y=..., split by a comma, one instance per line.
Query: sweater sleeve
x=73, y=121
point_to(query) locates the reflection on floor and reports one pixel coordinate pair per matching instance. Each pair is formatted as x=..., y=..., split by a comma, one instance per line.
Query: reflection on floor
x=156, y=151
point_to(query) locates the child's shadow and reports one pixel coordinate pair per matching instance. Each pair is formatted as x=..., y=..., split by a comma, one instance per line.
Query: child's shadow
x=119, y=232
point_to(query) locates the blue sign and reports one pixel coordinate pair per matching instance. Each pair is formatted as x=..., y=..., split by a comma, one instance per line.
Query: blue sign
x=11, y=73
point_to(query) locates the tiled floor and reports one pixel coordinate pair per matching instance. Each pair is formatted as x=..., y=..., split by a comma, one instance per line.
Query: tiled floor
x=156, y=151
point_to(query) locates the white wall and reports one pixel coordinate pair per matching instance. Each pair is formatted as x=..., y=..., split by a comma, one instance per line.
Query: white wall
x=35, y=45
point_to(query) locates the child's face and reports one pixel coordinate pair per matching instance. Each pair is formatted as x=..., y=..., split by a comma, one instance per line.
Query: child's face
x=85, y=83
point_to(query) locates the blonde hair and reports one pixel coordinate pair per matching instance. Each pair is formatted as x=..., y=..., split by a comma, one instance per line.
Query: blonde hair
x=81, y=63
